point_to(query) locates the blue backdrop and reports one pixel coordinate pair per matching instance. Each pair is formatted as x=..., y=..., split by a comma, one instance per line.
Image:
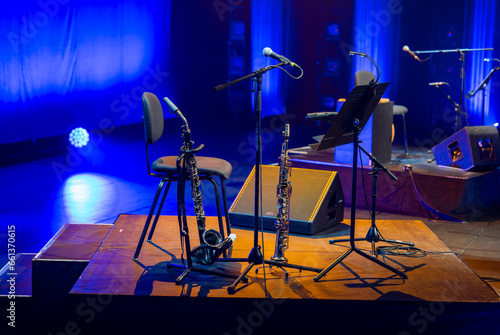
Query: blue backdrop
x=78, y=63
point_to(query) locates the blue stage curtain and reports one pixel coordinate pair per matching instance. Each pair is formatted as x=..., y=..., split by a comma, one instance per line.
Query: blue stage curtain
x=481, y=27
x=267, y=21
x=78, y=63
x=376, y=26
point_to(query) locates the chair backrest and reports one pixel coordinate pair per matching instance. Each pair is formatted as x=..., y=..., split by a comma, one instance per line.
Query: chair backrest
x=363, y=78
x=152, y=117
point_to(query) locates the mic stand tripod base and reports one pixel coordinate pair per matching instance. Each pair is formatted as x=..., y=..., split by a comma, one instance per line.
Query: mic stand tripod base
x=254, y=258
x=187, y=269
x=373, y=236
x=282, y=265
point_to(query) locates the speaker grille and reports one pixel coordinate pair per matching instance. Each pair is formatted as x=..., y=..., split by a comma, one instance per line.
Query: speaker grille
x=313, y=200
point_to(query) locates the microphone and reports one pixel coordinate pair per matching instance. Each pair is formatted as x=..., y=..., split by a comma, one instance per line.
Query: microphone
x=321, y=116
x=439, y=83
x=356, y=53
x=268, y=52
x=170, y=105
x=491, y=59
x=407, y=49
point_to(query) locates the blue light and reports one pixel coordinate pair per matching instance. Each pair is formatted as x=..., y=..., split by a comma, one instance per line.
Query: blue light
x=79, y=137
x=375, y=39
x=332, y=32
x=331, y=67
x=236, y=65
x=328, y=102
x=333, y=29
x=237, y=30
x=481, y=35
x=83, y=196
x=267, y=25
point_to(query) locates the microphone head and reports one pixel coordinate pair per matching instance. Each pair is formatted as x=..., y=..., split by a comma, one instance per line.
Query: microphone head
x=267, y=51
x=406, y=48
x=170, y=105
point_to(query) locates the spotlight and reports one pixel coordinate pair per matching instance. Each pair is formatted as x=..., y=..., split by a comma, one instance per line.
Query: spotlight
x=79, y=137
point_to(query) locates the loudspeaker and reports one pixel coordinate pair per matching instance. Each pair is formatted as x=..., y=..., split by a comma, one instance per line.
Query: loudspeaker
x=316, y=203
x=376, y=136
x=470, y=147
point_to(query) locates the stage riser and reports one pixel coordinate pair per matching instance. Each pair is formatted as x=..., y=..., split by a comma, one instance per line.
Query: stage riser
x=424, y=194
x=131, y=297
x=59, y=264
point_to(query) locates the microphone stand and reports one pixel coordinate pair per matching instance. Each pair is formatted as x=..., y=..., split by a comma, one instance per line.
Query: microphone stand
x=458, y=109
x=482, y=86
x=462, y=79
x=373, y=234
x=255, y=256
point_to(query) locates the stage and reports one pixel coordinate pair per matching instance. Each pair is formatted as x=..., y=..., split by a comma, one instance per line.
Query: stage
x=423, y=189
x=441, y=292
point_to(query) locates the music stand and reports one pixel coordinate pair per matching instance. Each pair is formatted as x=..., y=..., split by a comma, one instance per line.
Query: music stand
x=345, y=128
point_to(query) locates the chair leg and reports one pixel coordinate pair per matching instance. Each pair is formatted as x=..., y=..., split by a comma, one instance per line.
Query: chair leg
x=158, y=212
x=148, y=220
x=226, y=209
x=404, y=134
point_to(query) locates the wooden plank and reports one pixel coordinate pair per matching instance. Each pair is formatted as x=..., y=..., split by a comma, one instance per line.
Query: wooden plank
x=74, y=242
x=439, y=276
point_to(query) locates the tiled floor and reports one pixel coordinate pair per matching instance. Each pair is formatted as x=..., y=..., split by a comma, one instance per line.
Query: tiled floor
x=39, y=196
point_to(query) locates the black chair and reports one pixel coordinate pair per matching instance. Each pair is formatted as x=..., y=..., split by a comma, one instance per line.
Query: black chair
x=166, y=169
x=364, y=78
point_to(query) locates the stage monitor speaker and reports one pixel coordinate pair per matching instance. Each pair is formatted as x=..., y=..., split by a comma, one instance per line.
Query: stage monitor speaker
x=316, y=203
x=471, y=147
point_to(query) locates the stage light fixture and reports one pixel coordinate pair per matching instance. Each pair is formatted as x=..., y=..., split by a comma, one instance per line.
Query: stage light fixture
x=236, y=65
x=331, y=67
x=327, y=103
x=79, y=137
x=237, y=30
x=333, y=31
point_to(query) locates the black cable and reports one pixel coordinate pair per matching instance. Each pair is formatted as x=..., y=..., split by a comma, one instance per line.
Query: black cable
x=396, y=250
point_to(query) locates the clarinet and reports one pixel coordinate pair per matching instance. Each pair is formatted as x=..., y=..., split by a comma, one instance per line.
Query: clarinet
x=283, y=192
x=211, y=243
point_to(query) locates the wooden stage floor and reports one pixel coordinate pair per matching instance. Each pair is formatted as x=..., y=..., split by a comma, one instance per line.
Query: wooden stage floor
x=441, y=291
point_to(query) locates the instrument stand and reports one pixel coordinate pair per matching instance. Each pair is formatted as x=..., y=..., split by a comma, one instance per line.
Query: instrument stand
x=255, y=256
x=345, y=129
x=182, y=216
x=373, y=234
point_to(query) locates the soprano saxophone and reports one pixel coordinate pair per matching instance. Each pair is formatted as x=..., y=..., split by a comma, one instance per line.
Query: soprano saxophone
x=283, y=192
x=211, y=243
